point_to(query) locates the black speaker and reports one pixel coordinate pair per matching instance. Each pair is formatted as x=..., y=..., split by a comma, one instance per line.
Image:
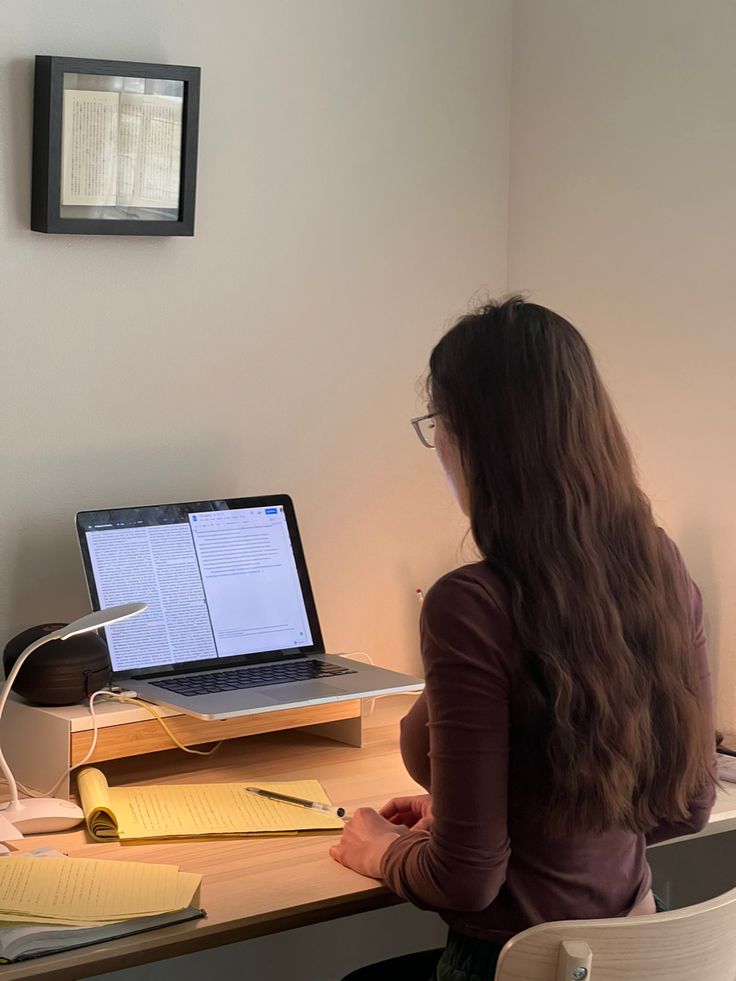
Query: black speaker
x=62, y=672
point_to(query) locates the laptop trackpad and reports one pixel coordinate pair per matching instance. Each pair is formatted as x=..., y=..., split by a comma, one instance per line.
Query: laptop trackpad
x=301, y=692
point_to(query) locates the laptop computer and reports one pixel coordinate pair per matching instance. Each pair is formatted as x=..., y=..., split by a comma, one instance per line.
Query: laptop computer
x=231, y=626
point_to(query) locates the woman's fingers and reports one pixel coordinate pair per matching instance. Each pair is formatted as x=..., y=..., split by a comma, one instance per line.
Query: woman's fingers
x=404, y=817
x=390, y=808
x=402, y=805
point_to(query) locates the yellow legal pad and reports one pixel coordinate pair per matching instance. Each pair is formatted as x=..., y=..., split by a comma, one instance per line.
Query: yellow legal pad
x=86, y=891
x=198, y=810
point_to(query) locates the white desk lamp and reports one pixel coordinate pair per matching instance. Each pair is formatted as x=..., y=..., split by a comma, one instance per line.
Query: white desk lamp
x=49, y=814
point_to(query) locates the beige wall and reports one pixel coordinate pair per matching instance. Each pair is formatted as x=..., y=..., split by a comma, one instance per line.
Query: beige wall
x=352, y=198
x=622, y=216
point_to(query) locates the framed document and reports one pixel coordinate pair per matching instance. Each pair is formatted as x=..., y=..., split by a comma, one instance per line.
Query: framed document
x=114, y=147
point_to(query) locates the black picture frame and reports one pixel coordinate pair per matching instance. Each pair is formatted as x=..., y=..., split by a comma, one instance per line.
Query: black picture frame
x=47, y=147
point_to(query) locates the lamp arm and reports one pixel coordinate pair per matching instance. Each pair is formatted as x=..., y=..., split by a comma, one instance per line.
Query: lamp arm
x=4, y=768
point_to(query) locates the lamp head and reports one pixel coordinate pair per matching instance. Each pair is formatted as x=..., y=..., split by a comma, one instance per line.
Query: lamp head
x=100, y=618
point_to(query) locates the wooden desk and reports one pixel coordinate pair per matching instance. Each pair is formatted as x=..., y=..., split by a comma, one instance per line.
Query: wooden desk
x=250, y=887
x=255, y=887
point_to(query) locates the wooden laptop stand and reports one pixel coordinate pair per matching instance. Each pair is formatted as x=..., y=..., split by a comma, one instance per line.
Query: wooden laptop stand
x=39, y=743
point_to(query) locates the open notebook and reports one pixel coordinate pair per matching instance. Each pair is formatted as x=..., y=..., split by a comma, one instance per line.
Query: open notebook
x=198, y=810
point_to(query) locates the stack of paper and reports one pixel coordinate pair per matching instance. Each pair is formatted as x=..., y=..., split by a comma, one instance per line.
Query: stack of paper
x=23, y=941
x=84, y=891
x=198, y=810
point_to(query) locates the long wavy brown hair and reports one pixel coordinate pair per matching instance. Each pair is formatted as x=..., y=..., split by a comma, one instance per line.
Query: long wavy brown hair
x=610, y=700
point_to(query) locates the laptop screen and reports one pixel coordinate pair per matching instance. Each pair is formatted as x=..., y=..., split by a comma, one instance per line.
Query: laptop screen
x=222, y=580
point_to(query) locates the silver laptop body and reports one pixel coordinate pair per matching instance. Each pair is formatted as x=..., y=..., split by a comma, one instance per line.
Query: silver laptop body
x=231, y=626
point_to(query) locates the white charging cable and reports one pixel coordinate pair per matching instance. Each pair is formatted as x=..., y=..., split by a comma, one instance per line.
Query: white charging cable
x=131, y=698
x=128, y=697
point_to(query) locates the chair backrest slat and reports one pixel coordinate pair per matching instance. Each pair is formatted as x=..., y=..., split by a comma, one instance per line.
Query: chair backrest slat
x=574, y=958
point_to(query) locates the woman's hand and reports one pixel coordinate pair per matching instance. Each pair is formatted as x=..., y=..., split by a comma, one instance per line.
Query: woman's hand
x=412, y=812
x=365, y=839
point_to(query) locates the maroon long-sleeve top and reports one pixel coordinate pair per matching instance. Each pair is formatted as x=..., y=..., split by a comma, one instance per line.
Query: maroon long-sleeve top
x=486, y=864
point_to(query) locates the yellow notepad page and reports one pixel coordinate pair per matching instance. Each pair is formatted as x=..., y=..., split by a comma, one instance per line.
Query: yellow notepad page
x=198, y=810
x=96, y=890
x=187, y=893
x=96, y=804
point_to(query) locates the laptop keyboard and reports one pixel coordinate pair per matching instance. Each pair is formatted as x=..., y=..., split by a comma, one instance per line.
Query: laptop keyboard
x=235, y=679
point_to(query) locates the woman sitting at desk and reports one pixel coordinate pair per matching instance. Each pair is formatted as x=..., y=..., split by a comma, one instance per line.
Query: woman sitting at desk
x=566, y=720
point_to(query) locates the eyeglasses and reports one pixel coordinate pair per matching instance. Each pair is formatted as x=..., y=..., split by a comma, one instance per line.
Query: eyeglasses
x=424, y=427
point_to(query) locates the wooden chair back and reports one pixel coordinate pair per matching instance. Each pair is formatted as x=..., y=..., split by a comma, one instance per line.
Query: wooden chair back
x=697, y=943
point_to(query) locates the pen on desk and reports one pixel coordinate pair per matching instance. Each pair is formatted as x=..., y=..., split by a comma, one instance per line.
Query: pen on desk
x=317, y=805
x=420, y=596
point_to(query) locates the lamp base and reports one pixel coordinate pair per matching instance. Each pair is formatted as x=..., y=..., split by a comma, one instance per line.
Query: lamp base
x=8, y=832
x=41, y=815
